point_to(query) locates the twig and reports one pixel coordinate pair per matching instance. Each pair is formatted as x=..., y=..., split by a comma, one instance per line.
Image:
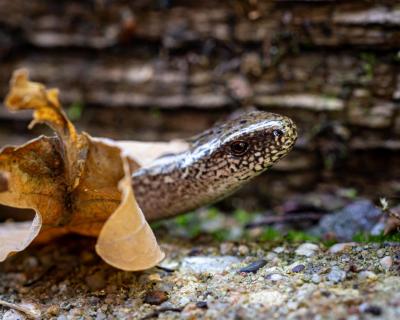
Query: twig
x=33, y=314
x=285, y=218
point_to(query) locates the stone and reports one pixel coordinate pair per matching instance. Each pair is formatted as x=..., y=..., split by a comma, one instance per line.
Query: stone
x=267, y=297
x=336, y=275
x=363, y=275
x=339, y=247
x=298, y=268
x=13, y=315
x=358, y=217
x=372, y=309
x=315, y=278
x=226, y=248
x=254, y=266
x=386, y=262
x=274, y=277
x=100, y=315
x=243, y=250
x=213, y=264
x=279, y=249
x=307, y=249
x=202, y=304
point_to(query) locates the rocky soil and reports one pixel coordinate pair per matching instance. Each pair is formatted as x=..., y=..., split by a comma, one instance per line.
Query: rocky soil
x=209, y=274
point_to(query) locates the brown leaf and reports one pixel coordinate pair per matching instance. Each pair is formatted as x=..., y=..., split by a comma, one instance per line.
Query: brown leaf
x=25, y=94
x=144, y=153
x=126, y=240
x=3, y=181
x=74, y=183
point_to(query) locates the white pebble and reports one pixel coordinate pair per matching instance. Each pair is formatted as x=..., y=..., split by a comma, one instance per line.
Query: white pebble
x=315, y=278
x=13, y=315
x=307, y=249
x=386, y=262
x=268, y=298
x=367, y=275
x=275, y=277
x=339, y=247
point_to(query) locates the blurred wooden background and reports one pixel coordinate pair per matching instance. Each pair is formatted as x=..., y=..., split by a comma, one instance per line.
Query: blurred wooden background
x=155, y=70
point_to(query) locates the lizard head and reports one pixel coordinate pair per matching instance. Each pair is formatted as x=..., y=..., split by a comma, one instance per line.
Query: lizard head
x=242, y=148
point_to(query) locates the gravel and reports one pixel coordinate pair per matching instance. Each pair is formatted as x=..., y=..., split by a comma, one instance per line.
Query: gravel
x=65, y=280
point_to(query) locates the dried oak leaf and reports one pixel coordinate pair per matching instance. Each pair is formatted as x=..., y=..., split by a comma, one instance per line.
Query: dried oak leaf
x=74, y=183
x=3, y=181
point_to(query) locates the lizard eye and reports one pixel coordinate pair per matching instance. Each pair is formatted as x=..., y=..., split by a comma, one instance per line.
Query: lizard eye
x=277, y=133
x=239, y=148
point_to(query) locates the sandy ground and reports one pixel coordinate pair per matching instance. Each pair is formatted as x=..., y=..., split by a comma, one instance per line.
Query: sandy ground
x=207, y=279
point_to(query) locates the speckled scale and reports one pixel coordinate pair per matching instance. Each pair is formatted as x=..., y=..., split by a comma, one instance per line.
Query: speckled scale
x=211, y=168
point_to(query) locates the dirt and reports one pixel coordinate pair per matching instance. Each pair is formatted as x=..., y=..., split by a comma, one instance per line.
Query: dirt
x=208, y=279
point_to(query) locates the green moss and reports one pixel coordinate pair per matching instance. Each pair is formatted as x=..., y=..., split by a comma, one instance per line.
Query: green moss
x=270, y=234
x=300, y=236
x=368, y=238
x=156, y=225
x=242, y=216
x=75, y=110
x=189, y=222
x=213, y=213
x=221, y=235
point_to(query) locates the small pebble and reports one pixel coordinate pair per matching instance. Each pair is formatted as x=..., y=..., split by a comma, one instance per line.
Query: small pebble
x=371, y=309
x=380, y=253
x=202, y=304
x=155, y=297
x=184, y=301
x=339, y=247
x=367, y=275
x=100, y=315
x=243, y=250
x=13, y=315
x=254, y=266
x=336, y=275
x=271, y=256
x=315, y=278
x=279, y=249
x=307, y=249
x=207, y=264
x=155, y=277
x=298, y=268
x=226, y=248
x=274, y=277
x=268, y=298
x=386, y=262
x=194, y=252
